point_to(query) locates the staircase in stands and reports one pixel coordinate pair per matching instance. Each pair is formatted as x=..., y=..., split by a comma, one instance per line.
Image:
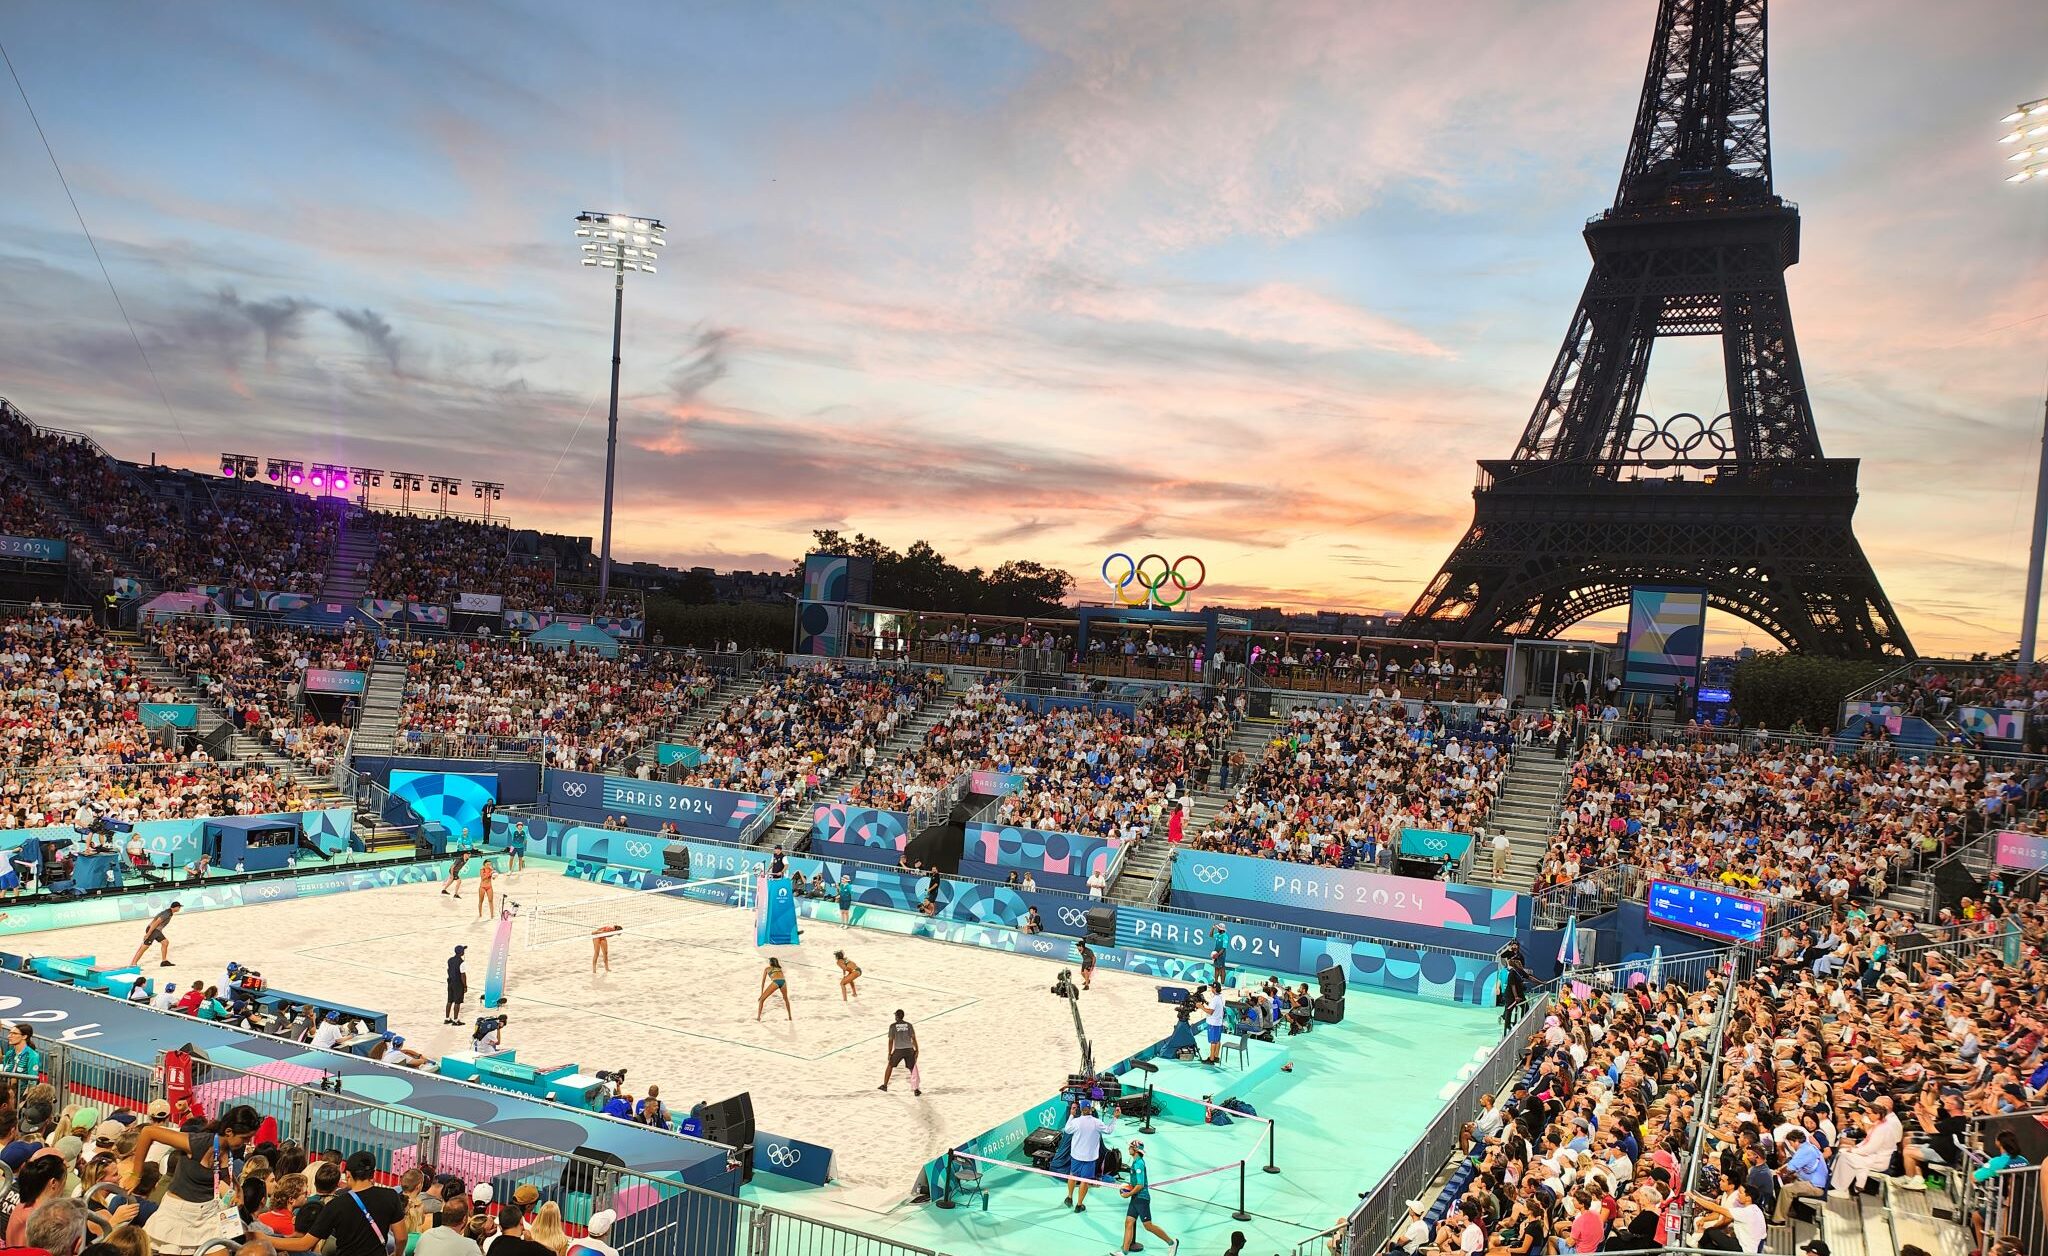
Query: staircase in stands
x=159, y=675
x=57, y=506
x=378, y=717
x=355, y=545
x=1526, y=810
x=1142, y=880
x=793, y=826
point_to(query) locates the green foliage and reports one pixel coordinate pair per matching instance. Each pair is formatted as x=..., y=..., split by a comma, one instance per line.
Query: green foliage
x=1776, y=690
x=754, y=625
x=920, y=579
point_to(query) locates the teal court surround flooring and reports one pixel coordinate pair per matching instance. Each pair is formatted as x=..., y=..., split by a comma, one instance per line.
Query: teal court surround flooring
x=1358, y=1097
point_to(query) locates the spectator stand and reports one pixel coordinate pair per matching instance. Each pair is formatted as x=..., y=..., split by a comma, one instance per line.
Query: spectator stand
x=679, y=1194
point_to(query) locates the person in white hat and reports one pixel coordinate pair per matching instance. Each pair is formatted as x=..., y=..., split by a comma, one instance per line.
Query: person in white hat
x=1415, y=1234
x=594, y=1233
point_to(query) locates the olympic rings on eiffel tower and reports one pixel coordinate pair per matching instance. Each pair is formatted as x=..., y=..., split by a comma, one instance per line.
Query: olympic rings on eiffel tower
x=1151, y=585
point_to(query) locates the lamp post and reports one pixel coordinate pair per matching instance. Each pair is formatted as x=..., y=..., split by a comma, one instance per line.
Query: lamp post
x=2029, y=138
x=618, y=243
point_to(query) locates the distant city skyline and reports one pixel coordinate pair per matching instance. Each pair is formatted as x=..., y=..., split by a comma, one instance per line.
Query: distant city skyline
x=1025, y=280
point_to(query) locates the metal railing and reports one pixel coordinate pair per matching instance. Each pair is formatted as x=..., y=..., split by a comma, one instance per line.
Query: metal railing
x=1375, y=1219
x=661, y=1215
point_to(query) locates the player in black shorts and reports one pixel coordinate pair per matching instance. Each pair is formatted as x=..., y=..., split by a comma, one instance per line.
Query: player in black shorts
x=454, y=885
x=157, y=924
x=903, y=1050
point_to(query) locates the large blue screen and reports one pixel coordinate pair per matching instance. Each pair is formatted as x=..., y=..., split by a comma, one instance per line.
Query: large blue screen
x=1696, y=909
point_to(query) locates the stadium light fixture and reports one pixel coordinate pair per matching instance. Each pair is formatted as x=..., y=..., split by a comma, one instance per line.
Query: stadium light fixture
x=367, y=477
x=444, y=485
x=2035, y=171
x=618, y=243
x=238, y=466
x=489, y=492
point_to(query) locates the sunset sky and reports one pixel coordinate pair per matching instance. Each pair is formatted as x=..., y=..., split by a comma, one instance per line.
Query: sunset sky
x=1253, y=281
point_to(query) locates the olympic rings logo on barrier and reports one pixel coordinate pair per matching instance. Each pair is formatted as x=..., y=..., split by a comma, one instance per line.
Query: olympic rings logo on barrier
x=639, y=848
x=575, y=789
x=1210, y=874
x=782, y=1155
x=1073, y=916
x=1151, y=587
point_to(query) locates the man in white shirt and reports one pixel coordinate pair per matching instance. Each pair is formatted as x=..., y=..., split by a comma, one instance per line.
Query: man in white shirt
x=446, y=1237
x=1415, y=1235
x=1084, y=1131
x=1502, y=844
x=1097, y=884
x=328, y=1034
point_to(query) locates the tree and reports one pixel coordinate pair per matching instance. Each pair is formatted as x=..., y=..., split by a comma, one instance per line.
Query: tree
x=1775, y=690
x=922, y=579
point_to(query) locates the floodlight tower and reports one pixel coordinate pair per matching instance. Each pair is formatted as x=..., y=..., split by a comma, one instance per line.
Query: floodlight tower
x=618, y=243
x=2029, y=136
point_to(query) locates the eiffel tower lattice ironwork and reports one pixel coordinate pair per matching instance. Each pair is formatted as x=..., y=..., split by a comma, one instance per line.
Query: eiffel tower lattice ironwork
x=1598, y=496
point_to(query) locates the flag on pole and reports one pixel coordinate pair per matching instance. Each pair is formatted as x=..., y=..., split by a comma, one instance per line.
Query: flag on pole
x=1568, y=945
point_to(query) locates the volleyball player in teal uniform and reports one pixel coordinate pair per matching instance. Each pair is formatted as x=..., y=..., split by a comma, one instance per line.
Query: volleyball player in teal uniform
x=1138, y=1190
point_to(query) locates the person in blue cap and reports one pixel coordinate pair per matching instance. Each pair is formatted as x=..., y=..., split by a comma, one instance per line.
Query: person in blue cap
x=458, y=987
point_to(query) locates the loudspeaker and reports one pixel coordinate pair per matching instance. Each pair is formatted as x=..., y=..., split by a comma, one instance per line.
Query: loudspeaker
x=675, y=861
x=1102, y=926
x=1330, y=1010
x=579, y=1176
x=1332, y=982
x=732, y=1123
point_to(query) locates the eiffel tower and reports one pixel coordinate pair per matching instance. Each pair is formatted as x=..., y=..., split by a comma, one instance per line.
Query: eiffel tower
x=1598, y=496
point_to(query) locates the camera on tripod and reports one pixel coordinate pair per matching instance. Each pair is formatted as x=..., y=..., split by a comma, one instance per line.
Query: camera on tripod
x=1063, y=986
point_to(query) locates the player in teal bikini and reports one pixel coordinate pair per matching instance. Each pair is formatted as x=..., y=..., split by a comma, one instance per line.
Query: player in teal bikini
x=773, y=982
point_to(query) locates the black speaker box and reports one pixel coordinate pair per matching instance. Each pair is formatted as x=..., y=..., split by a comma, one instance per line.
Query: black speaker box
x=675, y=861
x=580, y=1174
x=732, y=1121
x=1332, y=982
x=1102, y=926
x=1330, y=1010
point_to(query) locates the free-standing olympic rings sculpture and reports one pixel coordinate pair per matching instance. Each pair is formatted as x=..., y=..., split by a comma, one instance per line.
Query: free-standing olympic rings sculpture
x=1152, y=586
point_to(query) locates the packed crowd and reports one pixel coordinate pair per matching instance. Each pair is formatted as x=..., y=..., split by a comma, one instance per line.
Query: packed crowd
x=258, y=676
x=22, y=515
x=1101, y=773
x=1778, y=819
x=1339, y=785
x=804, y=729
x=248, y=536
x=1586, y=1150
x=1086, y=770
x=431, y=559
x=577, y=709
x=88, y=1181
x=1933, y=692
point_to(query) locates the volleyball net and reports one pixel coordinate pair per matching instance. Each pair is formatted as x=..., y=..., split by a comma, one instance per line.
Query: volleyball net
x=642, y=911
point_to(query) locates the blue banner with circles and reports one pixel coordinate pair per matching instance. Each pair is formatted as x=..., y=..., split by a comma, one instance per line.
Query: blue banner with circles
x=1055, y=860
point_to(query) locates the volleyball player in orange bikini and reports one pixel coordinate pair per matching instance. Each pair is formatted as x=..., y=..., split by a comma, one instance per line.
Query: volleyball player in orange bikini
x=486, y=893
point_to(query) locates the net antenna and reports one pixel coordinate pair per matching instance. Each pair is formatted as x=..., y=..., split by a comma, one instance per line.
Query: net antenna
x=548, y=924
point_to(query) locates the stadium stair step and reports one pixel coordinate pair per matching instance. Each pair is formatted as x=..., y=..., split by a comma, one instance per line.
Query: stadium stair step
x=357, y=544
x=377, y=718
x=1526, y=810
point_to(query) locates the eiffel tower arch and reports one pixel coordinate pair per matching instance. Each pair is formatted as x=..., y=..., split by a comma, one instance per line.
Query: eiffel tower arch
x=1598, y=495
